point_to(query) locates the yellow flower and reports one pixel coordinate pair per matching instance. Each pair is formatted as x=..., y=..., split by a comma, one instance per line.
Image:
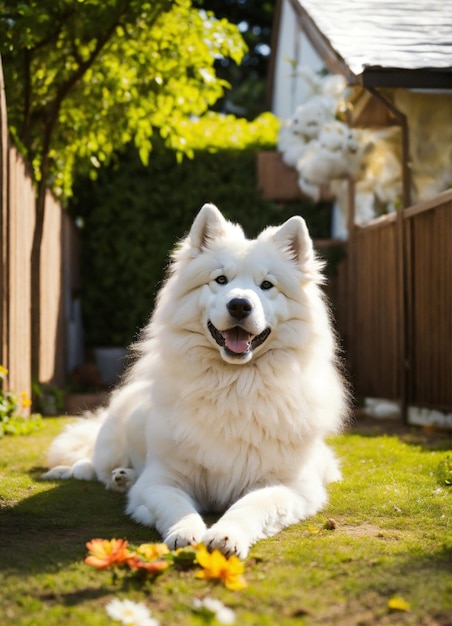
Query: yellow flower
x=107, y=553
x=397, y=603
x=3, y=371
x=151, y=551
x=24, y=399
x=217, y=567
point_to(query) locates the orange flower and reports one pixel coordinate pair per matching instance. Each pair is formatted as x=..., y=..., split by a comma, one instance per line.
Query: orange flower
x=151, y=567
x=107, y=553
x=217, y=567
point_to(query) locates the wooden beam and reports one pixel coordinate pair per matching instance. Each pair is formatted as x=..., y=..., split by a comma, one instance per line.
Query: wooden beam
x=333, y=61
x=273, y=56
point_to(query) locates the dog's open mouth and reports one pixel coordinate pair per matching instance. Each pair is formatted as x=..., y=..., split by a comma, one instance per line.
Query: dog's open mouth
x=236, y=340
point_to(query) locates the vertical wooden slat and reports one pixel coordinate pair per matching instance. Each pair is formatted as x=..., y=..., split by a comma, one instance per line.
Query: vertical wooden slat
x=21, y=223
x=373, y=335
x=4, y=285
x=403, y=317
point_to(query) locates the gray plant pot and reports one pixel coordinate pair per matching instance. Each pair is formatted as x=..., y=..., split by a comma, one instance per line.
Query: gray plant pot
x=111, y=363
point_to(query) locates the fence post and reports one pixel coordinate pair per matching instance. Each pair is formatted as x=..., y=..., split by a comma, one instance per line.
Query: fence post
x=403, y=331
x=350, y=320
x=4, y=286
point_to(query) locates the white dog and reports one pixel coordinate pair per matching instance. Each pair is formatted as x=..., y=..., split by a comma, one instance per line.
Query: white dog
x=234, y=389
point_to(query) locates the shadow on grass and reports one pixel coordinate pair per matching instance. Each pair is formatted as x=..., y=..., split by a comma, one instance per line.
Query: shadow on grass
x=73, y=598
x=423, y=580
x=49, y=529
x=105, y=585
x=427, y=438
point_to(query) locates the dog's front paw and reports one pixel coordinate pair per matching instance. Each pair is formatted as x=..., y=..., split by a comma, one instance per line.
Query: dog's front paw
x=188, y=532
x=227, y=537
x=83, y=470
x=122, y=478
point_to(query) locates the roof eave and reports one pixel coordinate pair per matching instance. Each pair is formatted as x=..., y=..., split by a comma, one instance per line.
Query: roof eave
x=371, y=76
x=419, y=78
x=334, y=62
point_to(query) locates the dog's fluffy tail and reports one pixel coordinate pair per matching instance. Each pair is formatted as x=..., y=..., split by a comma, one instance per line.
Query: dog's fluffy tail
x=74, y=448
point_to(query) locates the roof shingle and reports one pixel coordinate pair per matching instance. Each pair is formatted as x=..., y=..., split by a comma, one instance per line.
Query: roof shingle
x=376, y=38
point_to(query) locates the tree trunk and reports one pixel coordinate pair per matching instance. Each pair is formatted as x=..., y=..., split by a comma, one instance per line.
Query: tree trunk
x=35, y=260
x=52, y=120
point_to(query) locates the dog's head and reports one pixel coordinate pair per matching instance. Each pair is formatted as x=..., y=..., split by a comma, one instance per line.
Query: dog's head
x=249, y=292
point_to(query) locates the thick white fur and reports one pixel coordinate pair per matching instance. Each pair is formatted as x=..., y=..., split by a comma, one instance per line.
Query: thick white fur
x=205, y=430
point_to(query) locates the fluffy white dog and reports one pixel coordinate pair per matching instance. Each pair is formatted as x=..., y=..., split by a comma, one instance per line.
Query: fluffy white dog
x=233, y=391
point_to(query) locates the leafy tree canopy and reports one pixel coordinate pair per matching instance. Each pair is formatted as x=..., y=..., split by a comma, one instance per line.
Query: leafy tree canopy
x=84, y=77
x=254, y=19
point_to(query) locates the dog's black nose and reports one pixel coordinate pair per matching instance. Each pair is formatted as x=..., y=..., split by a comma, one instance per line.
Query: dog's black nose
x=239, y=308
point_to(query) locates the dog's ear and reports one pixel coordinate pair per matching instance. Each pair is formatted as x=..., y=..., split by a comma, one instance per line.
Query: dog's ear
x=294, y=240
x=208, y=225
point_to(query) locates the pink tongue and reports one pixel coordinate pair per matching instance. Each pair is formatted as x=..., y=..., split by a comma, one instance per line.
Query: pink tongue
x=237, y=340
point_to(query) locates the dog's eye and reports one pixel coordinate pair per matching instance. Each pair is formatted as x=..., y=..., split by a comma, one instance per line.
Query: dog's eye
x=221, y=280
x=266, y=284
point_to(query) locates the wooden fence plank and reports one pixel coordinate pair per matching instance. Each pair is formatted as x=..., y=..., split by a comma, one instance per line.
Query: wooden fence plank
x=4, y=287
x=373, y=344
x=432, y=316
x=20, y=234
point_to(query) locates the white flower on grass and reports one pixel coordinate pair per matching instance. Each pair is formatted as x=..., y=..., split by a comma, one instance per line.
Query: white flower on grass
x=222, y=613
x=130, y=613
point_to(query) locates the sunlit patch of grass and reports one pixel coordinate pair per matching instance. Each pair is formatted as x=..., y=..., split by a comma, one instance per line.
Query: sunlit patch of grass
x=391, y=538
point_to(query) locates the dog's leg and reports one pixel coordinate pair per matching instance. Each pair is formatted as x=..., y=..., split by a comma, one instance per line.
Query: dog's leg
x=82, y=470
x=259, y=514
x=169, y=509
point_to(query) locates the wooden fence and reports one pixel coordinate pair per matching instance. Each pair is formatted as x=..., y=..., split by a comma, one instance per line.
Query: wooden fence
x=59, y=260
x=397, y=315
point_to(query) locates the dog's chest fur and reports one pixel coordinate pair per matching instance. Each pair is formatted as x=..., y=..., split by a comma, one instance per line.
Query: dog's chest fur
x=232, y=434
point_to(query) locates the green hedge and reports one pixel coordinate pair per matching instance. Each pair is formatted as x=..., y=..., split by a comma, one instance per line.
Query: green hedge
x=133, y=215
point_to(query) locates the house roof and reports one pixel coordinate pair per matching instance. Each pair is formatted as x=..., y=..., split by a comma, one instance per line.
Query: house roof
x=383, y=43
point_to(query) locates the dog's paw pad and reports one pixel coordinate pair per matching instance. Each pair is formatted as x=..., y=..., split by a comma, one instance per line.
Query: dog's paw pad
x=228, y=538
x=122, y=478
x=174, y=541
x=185, y=533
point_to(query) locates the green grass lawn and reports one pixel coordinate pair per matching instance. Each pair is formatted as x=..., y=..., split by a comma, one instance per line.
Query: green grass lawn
x=393, y=512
